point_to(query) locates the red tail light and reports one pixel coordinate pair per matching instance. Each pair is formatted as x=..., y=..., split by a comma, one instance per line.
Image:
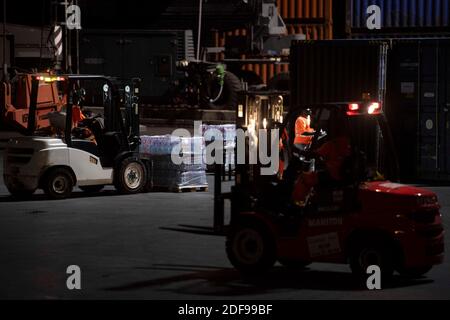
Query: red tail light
x=353, y=107
x=371, y=108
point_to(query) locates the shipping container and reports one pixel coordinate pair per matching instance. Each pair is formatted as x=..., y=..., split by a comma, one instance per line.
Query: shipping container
x=313, y=14
x=418, y=103
x=337, y=71
x=398, y=17
x=343, y=71
x=411, y=77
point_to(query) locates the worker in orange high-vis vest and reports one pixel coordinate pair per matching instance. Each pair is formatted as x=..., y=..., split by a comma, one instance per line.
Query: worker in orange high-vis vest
x=303, y=131
x=77, y=115
x=77, y=108
x=333, y=153
x=302, y=140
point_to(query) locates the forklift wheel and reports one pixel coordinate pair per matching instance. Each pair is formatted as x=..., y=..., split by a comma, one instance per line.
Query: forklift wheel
x=372, y=252
x=130, y=176
x=92, y=189
x=58, y=184
x=250, y=248
x=294, y=264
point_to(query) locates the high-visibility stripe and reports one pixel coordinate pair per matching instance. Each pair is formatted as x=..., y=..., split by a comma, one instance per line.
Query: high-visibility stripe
x=301, y=139
x=57, y=40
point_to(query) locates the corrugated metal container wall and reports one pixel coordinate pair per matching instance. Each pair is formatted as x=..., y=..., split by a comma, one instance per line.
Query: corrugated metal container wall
x=336, y=71
x=418, y=103
x=411, y=16
x=313, y=18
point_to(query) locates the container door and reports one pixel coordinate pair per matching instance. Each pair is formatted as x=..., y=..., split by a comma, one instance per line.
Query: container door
x=101, y=54
x=402, y=102
x=153, y=59
x=429, y=112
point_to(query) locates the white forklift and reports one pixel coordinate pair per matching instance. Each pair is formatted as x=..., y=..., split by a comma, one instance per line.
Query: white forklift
x=58, y=161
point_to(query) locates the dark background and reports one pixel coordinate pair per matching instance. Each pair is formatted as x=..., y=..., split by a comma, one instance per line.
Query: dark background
x=135, y=14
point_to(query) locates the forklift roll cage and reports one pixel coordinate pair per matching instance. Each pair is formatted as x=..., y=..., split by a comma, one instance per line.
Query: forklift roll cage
x=237, y=192
x=127, y=140
x=379, y=116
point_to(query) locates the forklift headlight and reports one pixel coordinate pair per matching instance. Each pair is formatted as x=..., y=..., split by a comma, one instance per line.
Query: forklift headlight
x=240, y=111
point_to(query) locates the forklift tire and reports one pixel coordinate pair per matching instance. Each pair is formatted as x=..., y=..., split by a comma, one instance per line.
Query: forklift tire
x=58, y=183
x=130, y=177
x=294, y=264
x=92, y=189
x=414, y=272
x=369, y=252
x=250, y=248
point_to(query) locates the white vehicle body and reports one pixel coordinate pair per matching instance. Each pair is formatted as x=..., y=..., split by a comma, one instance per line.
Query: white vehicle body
x=28, y=158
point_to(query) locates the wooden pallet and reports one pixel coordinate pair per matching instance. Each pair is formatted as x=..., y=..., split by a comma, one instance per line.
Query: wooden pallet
x=180, y=189
x=190, y=189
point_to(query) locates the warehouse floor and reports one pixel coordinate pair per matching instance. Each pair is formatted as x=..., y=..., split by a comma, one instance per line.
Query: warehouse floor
x=124, y=251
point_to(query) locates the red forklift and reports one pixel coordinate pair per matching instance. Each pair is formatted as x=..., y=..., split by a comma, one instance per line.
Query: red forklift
x=363, y=220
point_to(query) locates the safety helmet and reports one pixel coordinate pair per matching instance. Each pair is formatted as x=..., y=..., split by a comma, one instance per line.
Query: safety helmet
x=306, y=112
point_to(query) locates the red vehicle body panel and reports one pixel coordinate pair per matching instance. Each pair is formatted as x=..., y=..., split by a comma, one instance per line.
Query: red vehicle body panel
x=408, y=215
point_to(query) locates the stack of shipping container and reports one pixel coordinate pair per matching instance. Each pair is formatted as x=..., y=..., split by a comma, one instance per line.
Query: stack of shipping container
x=414, y=39
x=417, y=97
x=417, y=106
x=399, y=18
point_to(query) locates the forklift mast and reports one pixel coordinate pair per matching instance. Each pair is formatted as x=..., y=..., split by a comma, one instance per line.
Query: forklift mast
x=131, y=103
x=256, y=110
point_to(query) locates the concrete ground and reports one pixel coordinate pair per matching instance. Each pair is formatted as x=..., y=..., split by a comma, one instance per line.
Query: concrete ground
x=124, y=252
